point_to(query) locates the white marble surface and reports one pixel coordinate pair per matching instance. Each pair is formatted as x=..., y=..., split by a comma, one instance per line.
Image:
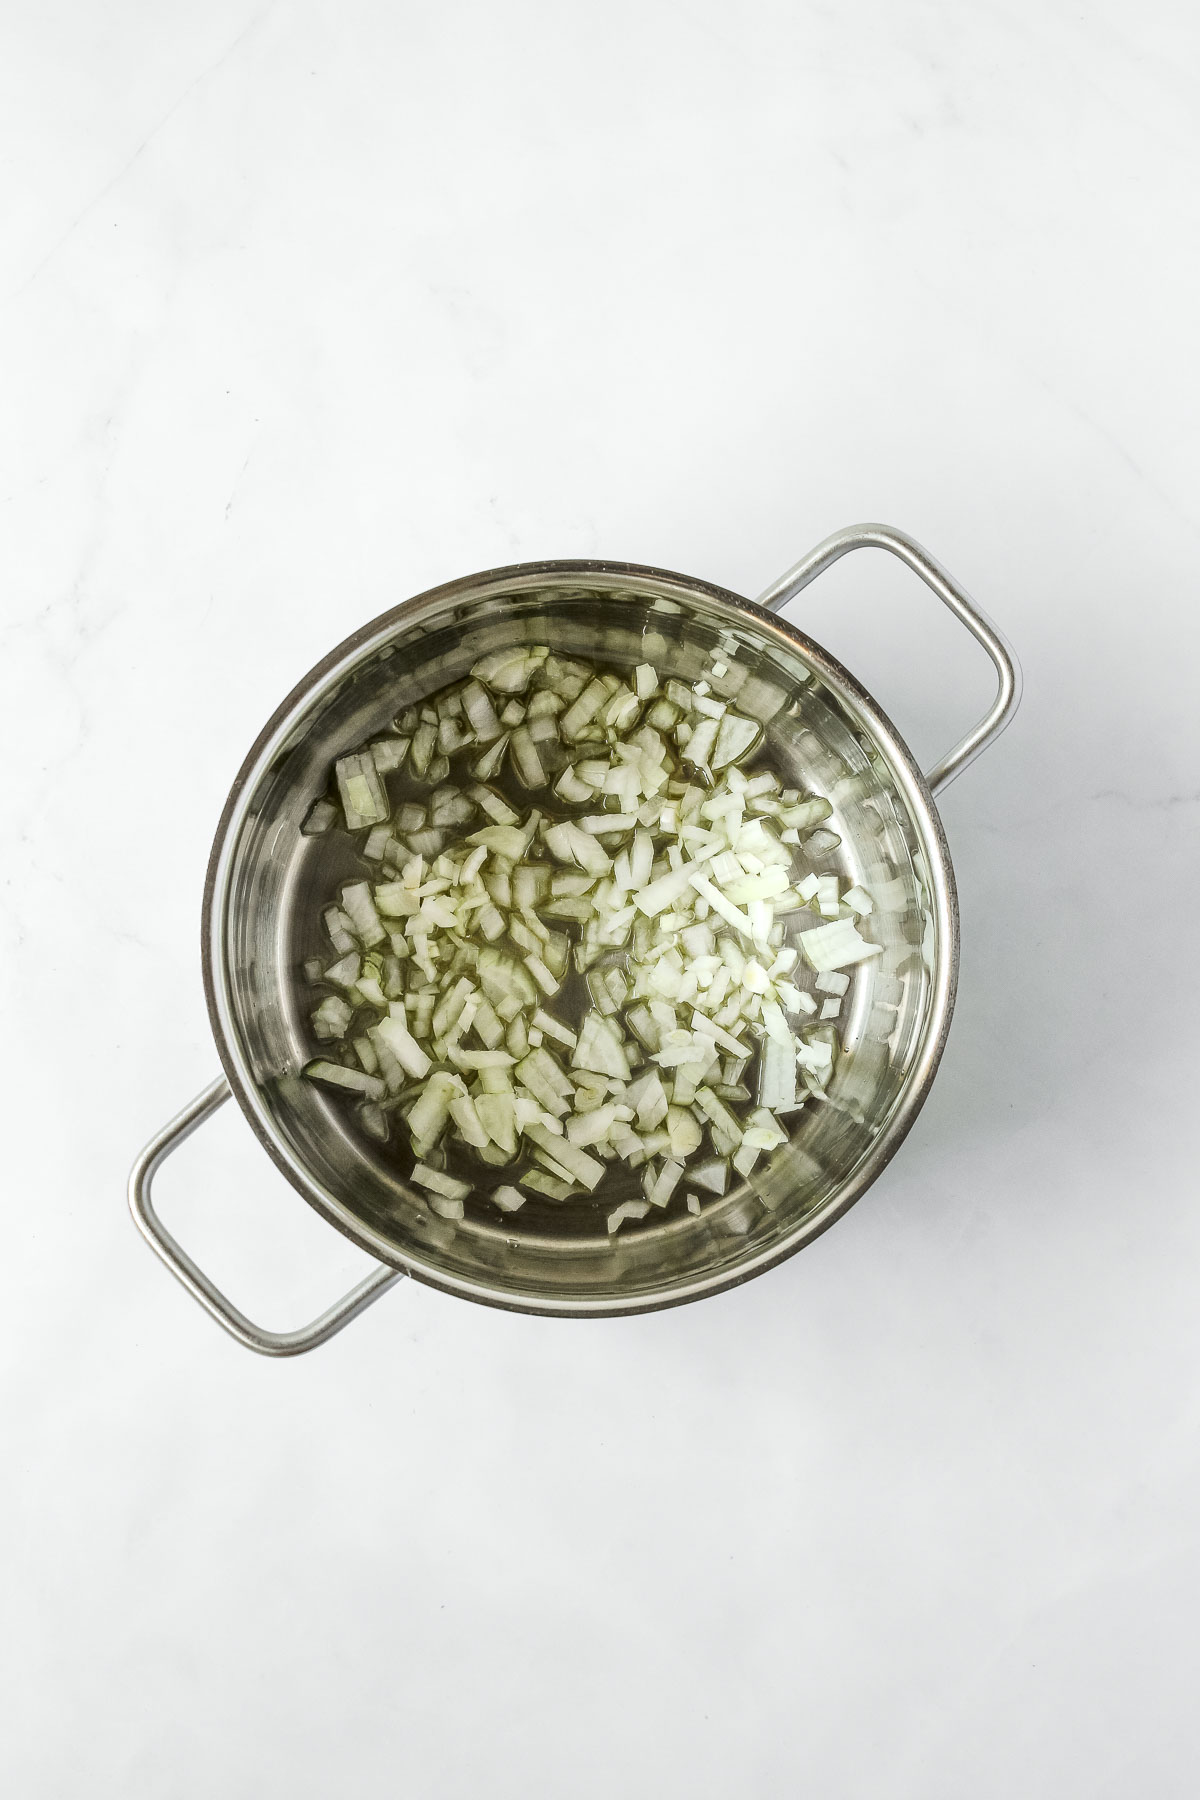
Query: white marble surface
x=306, y=307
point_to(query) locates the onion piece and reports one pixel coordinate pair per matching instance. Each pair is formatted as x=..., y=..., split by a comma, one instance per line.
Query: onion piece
x=600, y=1048
x=356, y=1081
x=427, y=1119
x=659, y=1188
x=364, y=798
x=438, y=1183
x=629, y=1209
x=836, y=946
x=573, y=1159
x=735, y=738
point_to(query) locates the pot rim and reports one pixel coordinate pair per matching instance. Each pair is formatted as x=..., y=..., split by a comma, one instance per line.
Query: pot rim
x=909, y=777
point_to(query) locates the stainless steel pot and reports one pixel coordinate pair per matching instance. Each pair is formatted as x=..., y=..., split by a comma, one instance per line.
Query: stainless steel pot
x=266, y=882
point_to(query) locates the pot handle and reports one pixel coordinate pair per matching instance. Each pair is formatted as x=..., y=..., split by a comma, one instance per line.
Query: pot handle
x=197, y=1283
x=886, y=537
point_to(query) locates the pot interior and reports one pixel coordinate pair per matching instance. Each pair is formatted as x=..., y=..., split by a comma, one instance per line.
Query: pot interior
x=268, y=884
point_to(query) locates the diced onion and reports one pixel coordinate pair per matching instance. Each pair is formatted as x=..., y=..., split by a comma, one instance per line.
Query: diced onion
x=652, y=863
